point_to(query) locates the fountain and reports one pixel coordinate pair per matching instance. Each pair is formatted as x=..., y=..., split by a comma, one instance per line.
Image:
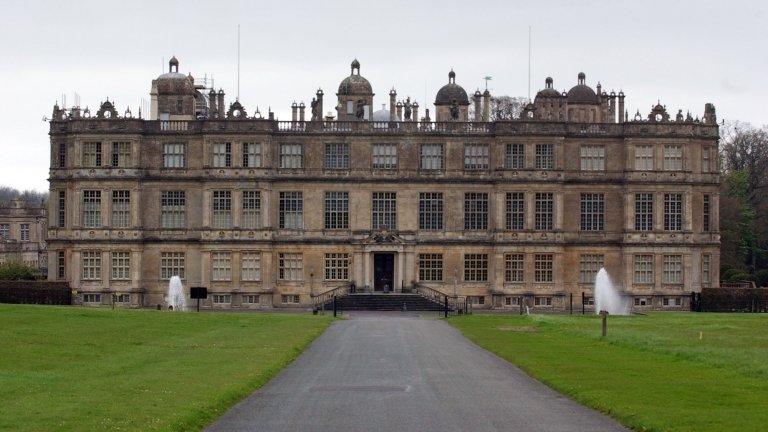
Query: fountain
x=176, y=299
x=607, y=298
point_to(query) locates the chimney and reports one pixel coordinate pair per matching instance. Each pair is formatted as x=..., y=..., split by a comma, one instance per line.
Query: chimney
x=392, y=103
x=221, y=111
x=301, y=112
x=486, y=106
x=415, y=107
x=622, y=114
x=294, y=109
x=709, y=114
x=319, y=95
x=399, y=110
x=478, y=110
x=213, y=111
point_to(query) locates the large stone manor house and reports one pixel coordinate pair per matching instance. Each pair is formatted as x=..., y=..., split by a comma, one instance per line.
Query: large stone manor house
x=267, y=213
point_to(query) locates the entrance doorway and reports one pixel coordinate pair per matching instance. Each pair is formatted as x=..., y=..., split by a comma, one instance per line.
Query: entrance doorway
x=383, y=271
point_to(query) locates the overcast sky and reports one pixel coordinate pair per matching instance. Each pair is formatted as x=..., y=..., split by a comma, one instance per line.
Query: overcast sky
x=682, y=53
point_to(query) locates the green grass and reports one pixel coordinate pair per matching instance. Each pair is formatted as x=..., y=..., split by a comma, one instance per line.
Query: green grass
x=98, y=369
x=661, y=372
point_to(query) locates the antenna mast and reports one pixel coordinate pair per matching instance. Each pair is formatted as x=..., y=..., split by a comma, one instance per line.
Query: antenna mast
x=238, y=63
x=529, y=63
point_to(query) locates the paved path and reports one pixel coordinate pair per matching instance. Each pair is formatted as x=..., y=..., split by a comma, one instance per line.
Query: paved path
x=390, y=372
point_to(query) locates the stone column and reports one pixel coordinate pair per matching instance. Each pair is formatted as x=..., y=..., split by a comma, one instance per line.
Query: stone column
x=393, y=116
x=367, y=266
x=400, y=281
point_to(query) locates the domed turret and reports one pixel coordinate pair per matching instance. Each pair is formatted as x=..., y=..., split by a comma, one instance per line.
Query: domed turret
x=582, y=94
x=355, y=96
x=548, y=90
x=173, y=94
x=451, y=92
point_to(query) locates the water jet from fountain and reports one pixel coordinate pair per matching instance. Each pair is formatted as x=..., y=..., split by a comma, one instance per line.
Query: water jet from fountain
x=607, y=297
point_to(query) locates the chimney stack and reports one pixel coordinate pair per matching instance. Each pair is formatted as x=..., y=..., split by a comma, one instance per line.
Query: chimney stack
x=486, y=106
x=221, y=110
x=301, y=112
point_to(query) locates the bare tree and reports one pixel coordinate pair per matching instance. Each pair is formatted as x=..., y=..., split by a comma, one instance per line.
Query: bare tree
x=503, y=108
x=32, y=198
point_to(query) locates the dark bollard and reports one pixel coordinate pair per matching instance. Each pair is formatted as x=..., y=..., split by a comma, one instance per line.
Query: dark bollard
x=571, y=303
x=520, y=302
x=334, y=306
x=445, y=308
x=583, y=301
x=158, y=306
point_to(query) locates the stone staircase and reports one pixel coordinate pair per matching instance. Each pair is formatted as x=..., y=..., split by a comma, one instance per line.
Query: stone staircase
x=384, y=302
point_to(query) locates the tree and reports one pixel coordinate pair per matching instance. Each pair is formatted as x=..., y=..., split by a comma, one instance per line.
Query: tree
x=503, y=108
x=17, y=270
x=32, y=198
x=743, y=202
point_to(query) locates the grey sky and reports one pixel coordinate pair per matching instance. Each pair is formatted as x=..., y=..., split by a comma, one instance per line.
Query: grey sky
x=683, y=53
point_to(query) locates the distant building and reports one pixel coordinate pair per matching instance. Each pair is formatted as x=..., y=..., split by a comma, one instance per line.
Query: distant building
x=22, y=234
x=265, y=213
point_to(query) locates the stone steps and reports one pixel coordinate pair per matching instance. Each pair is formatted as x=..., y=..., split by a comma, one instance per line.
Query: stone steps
x=385, y=302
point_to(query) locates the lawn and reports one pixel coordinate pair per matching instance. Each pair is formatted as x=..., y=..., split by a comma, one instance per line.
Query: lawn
x=65, y=368
x=661, y=372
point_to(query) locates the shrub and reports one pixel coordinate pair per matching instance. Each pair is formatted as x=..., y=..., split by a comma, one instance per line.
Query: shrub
x=15, y=270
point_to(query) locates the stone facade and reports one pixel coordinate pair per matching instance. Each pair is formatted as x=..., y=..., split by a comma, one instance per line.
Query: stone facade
x=266, y=213
x=22, y=234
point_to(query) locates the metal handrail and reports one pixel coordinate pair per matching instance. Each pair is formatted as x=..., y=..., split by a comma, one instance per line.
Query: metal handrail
x=454, y=301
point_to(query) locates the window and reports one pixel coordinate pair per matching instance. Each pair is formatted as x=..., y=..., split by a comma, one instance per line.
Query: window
x=511, y=301
x=592, y=212
x=673, y=212
x=91, y=209
x=62, y=210
x=515, y=211
x=222, y=209
x=121, y=298
x=337, y=156
x=290, y=267
x=174, y=155
x=385, y=156
x=251, y=210
x=222, y=155
x=644, y=158
x=251, y=155
x=62, y=155
x=431, y=267
x=542, y=301
x=672, y=302
x=5, y=231
x=706, y=207
x=121, y=209
x=644, y=212
x=544, y=210
x=121, y=265
x=642, y=301
x=672, y=269
x=221, y=266
x=644, y=269
x=514, y=268
x=430, y=210
x=543, y=267
x=91, y=298
x=24, y=232
x=336, y=266
x=251, y=299
x=179, y=106
x=545, y=158
x=91, y=154
x=172, y=264
x=290, y=298
x=706, y=165
x=173, y=209
x=592, y=158
x=515, y=156
x=61, y=264
x=706, y=267
x=291, y=156
x=91, y=265
x=673, y=158
x=476, y=211
x=432, y=157
x=476, y=157
x=222, y=299
x=589, y=265
x=121, y=154
x=250, y=266
x=384, y=210
x=336, y=210
x=291, y=209
x=476, y=300
x=476, y=267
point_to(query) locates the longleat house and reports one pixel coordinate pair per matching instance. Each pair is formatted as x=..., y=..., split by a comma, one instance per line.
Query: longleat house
x=269, y=213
